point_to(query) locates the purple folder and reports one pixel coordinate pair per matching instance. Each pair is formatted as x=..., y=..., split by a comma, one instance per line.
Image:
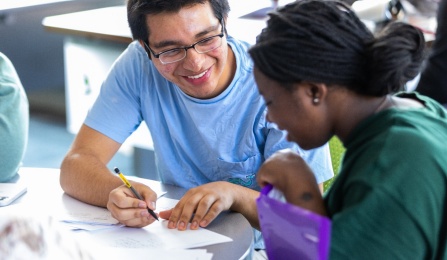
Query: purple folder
x=291, y=232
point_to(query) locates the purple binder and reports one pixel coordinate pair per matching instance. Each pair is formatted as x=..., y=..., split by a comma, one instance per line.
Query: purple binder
x=291, y=232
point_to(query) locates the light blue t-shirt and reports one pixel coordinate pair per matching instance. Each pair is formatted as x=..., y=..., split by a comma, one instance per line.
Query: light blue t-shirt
x=196, y=141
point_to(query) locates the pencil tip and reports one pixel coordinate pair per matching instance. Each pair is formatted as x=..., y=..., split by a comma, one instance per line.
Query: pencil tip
x=116, y=170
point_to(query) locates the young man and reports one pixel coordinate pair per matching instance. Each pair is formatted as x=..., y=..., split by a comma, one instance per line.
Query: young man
x=193, y=86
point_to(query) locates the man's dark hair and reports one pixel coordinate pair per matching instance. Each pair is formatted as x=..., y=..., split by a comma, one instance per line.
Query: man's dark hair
x=137, y=10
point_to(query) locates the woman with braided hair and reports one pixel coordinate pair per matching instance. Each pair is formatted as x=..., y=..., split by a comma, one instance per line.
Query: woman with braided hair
x=322, y=73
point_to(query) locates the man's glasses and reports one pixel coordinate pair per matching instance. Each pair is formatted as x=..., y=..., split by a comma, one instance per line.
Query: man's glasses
x=177, y=54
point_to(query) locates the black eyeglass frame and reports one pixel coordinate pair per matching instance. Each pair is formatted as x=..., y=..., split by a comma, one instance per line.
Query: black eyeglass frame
x=186, y=48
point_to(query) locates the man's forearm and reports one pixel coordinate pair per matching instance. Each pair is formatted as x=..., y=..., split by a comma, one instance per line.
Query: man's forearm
x=87, y=179
x=245, y=203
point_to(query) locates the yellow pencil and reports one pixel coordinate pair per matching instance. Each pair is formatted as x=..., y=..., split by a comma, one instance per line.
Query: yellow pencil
x=135, y=192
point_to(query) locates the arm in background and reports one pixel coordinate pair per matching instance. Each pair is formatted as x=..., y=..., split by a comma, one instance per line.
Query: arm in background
x=14, y=120
x=434, y=77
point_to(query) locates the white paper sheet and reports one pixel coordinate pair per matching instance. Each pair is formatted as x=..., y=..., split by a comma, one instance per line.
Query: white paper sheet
x=110, y=233
x=81, y=216
x=156, y=236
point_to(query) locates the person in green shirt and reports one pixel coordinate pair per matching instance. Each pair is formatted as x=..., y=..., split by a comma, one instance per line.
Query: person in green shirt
x=14, y=120
x=322, y=73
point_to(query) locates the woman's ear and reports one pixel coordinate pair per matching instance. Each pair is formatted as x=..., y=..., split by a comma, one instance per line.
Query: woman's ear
x=316, y=91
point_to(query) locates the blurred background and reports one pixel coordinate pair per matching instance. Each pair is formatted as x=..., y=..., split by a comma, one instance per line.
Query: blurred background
x=38, y=56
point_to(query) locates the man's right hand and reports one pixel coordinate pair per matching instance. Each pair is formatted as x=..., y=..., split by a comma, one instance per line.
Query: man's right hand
x=129, y=210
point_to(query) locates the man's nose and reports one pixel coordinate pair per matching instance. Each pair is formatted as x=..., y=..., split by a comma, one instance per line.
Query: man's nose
x=193, y=60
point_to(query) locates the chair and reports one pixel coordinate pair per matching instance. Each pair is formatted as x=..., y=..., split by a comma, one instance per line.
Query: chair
x=337, y=150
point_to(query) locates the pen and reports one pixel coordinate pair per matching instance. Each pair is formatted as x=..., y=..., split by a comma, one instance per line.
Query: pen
x=135, y=192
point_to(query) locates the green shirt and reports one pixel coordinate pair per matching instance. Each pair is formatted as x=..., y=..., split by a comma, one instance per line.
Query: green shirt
x=389, y=199
x=14, y=119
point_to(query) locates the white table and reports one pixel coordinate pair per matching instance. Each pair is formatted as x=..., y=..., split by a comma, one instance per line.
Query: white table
x=45, y=195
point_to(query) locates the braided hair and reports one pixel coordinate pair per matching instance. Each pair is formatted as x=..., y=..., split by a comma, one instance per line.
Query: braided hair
x=325, y=42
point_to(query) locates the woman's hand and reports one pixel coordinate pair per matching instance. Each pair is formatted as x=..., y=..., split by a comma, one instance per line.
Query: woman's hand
x=289, y=173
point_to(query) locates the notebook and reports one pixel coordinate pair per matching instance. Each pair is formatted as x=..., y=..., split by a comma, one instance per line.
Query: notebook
x=10, y=192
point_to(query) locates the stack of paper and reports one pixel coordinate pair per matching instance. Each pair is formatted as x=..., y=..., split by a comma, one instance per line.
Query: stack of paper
x=155, y=240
